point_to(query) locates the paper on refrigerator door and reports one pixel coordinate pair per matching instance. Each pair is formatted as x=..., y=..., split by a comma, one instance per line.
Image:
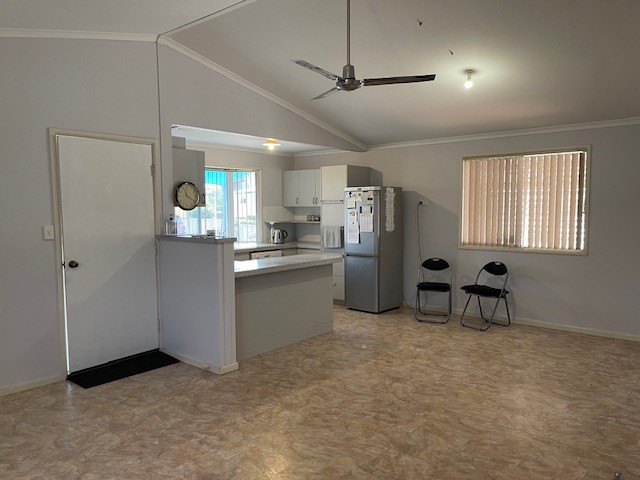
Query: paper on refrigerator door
x=390, y=201
x=366, y=219
x=353, y=232
x=353, y=229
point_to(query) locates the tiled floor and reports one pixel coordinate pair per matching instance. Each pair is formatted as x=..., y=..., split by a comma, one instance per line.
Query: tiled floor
x=381, y=397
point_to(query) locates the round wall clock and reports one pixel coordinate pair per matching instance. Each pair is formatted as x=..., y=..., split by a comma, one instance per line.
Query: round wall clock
x=187, y=196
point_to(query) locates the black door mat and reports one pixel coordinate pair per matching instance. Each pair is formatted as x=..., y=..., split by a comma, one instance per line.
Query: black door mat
x=122, y=368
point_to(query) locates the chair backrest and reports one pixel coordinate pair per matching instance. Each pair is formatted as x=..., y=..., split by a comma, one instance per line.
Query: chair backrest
x=445, y=274
x=435, y=264
x=495, y=269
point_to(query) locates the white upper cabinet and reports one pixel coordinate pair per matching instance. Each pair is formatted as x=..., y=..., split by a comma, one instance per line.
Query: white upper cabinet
x=290, y=188
x=301, y=188
x=336, y=178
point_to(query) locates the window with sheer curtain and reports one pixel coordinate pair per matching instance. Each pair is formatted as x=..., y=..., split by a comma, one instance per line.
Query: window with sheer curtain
x=534, y=202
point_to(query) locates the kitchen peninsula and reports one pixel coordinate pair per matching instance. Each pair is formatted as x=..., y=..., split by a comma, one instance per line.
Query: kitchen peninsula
x=214, y=311
x=282, y=300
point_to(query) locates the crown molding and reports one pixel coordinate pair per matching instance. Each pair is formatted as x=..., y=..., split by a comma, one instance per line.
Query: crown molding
x=72, y=34
x=332, y=151
x=178, y=47
x=512, y=133
x=206, y=18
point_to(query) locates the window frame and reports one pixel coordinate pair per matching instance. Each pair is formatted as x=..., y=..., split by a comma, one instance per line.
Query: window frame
x=229, y=208
x=587, y=194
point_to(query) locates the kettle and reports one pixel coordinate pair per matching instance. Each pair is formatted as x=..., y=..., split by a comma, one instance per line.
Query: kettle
x=279, y=235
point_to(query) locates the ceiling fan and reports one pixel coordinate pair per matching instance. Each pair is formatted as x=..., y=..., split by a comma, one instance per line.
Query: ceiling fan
x=348, y=81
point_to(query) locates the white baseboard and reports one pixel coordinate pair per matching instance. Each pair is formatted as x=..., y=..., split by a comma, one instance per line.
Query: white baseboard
x=220, y=370
x=565, y=328
x=571, y=328
x=228, y=368
x=29, y=385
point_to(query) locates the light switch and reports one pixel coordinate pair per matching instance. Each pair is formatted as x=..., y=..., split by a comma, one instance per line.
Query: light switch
x=48, y=232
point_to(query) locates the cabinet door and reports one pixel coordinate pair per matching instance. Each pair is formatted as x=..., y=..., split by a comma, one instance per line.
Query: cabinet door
x=306, y=188
x=290, y=188
x=318, y=186
x=334, y=181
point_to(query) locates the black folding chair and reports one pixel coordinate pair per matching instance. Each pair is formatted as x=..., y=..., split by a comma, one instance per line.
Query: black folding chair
x=431, y=278
x=495, y=270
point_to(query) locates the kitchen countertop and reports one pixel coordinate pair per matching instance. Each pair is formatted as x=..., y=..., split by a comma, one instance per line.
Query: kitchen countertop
x=242, y=247
x=248, y=268
x=197, y=239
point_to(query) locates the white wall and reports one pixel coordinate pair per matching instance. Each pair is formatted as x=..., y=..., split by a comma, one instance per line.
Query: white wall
x=597, y=291
x=99, y=86
x=194, y=95
x=106, y=87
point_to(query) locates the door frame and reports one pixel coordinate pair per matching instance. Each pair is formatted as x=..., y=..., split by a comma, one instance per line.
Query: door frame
x=53, y=133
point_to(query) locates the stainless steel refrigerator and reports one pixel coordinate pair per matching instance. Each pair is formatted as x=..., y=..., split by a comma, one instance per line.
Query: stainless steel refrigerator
x=373, y=248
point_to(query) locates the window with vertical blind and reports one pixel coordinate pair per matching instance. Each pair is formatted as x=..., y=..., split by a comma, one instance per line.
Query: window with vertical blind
x=533, y=202
x=231, y=206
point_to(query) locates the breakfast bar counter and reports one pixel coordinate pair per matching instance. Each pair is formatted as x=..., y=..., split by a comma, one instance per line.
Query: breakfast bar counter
x=215, y=311
x=282, y=300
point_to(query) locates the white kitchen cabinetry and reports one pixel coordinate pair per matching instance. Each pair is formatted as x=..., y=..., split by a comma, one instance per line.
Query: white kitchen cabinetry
x=336, y=178
x=338, y=280
x=301, y=188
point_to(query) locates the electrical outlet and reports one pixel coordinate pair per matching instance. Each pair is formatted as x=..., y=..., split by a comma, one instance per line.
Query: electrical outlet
x=48, y=232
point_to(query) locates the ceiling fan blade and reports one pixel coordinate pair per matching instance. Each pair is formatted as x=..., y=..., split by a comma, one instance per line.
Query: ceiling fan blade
x=326, y=94
x=391, y=80
x=313, y=68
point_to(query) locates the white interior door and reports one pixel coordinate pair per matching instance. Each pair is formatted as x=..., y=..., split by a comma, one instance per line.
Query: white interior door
x=108, y=243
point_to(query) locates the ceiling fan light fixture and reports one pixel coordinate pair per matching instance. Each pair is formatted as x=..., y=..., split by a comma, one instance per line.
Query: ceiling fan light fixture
x=271, y=144
x=469, y=83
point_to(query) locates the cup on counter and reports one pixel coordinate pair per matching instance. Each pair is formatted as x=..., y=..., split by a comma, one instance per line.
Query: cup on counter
x=211, y=233
x=309, y=218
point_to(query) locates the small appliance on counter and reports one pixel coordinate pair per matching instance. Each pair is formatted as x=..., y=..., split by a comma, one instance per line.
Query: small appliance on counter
x=279, y=235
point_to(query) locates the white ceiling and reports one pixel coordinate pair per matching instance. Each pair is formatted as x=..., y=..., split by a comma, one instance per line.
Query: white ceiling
x=540, y=62
x=151, y=17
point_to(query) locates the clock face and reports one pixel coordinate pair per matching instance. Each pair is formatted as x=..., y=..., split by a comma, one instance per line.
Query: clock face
x=187, y=196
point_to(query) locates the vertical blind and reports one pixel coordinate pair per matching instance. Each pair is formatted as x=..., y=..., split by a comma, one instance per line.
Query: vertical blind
x=534, y=201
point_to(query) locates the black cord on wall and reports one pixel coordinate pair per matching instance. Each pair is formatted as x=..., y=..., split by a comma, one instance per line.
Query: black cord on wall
x=420, y=203
x=418, y=230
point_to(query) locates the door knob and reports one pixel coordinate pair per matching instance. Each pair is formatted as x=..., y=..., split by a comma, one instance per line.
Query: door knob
x=73, y=264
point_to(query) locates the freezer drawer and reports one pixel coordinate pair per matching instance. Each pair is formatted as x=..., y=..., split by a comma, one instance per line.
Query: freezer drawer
x=361, y=283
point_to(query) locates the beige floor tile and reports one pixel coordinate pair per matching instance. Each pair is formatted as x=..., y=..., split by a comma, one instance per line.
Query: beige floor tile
x=381, y=397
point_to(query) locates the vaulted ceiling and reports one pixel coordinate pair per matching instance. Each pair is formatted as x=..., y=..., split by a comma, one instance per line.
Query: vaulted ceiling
x=539, y=63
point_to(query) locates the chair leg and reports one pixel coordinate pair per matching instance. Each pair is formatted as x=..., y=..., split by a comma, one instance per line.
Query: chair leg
x=495, y=308
x=506, y=306
x=488, y=321
x=491, y=320
x=462, y=316
x=424, y=315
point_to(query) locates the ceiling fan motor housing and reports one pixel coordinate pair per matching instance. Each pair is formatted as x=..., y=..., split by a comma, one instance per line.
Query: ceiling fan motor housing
x=348, y=81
